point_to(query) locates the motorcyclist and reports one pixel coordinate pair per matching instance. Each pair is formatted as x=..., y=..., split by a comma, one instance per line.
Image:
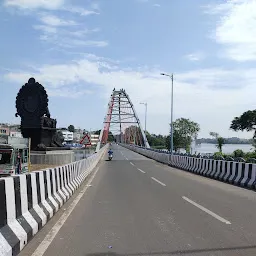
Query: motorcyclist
x=110, y=152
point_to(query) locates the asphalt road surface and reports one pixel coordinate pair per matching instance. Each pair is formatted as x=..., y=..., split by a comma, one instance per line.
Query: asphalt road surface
x=136, y=206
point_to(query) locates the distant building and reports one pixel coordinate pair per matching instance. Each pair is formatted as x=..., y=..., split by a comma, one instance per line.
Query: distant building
x=12, y=130
x=4, y=129
x=68, y=136
x=94, y=139
x=14, y=127
x=16, y=134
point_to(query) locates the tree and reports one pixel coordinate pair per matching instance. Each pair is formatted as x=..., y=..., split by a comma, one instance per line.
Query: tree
x=220, y=140
x=184, y=130
x=247, y=121
x=220, y=143
x=71, y=128
x=178, y=141
x=111, y=137
x=154, y=140
x=238, y=153
x=97, y=132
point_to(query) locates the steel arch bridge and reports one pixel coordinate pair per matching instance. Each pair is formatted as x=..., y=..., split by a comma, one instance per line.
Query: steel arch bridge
x=123, y=122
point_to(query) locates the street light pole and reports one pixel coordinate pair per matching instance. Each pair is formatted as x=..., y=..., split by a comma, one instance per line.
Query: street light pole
x=146, y=110
x=171, y=133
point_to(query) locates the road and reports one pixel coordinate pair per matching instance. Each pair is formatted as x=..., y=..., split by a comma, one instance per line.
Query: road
x=136, y=206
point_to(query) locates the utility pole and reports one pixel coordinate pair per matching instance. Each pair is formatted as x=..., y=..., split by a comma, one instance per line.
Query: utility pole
x=171, y=133
x=146, y=109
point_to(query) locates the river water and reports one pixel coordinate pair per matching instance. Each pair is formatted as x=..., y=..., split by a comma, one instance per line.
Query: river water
x=227, y=148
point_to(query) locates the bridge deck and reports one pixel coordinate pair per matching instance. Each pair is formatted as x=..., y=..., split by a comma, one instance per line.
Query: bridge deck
x=141, y=207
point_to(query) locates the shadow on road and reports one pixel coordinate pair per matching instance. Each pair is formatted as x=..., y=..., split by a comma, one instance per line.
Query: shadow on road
x=181, y=252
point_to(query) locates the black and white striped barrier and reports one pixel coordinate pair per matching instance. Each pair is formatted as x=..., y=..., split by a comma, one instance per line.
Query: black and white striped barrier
x=28, y=201
x=237, y=173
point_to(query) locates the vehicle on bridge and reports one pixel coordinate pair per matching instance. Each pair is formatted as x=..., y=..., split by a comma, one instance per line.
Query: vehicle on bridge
x=14, y=156
x=110, y=154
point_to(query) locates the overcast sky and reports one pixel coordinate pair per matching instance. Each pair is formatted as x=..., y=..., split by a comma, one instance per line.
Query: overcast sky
x=80, y=50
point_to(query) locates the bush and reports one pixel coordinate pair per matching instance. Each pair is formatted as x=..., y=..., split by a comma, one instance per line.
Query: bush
x=250, y=155
x=238, y=153
x=218, y=155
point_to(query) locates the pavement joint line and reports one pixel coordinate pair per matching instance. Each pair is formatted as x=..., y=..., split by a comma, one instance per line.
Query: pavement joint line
x=42, y=248
x=141, y=170
x=158, y=181
x=216, y=216
x=132, y=163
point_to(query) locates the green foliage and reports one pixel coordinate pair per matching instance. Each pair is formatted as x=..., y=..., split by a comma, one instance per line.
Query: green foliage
x=168, y=143
x=97, y=132
x=218, y=155
x=156, y=141
x=220, y=143
x=111, y=137
x=71, y=128
x=251, y=155
x=238, y=153
x=183, y=132
x=178, y=141
x=247, y=121
x=220, y=140
x=186, y=127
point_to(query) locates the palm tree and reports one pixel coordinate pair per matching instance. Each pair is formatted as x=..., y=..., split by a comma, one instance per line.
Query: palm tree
x=220, y=140
x=220, y=143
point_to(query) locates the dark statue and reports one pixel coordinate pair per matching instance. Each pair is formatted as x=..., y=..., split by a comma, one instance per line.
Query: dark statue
x=36, y=121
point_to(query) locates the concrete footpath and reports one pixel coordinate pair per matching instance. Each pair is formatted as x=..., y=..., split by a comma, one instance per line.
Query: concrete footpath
x=133, y=205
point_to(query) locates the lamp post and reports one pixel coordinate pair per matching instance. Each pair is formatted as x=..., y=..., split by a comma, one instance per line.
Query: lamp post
x=146, y=109
x=171, y=135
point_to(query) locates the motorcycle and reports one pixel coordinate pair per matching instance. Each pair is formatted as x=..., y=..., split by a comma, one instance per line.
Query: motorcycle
x=110, y=156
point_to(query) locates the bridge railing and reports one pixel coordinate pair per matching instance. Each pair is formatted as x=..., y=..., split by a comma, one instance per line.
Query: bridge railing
x=200, y=155
x=28, y=201
x=234, y=172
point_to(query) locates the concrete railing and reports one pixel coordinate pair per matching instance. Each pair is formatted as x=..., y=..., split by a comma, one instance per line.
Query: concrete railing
x=28, y=201
x=52, y=157
x=237, y=173
x=59, y=157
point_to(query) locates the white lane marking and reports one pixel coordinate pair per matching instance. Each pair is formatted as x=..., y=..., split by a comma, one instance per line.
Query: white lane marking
x=207, y=211
x=132, y=163
x=141, y=170
x=126, y=158
x=41, y=249
x=158, y=181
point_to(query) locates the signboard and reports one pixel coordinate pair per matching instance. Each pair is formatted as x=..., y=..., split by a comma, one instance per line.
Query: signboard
x=86, y=140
